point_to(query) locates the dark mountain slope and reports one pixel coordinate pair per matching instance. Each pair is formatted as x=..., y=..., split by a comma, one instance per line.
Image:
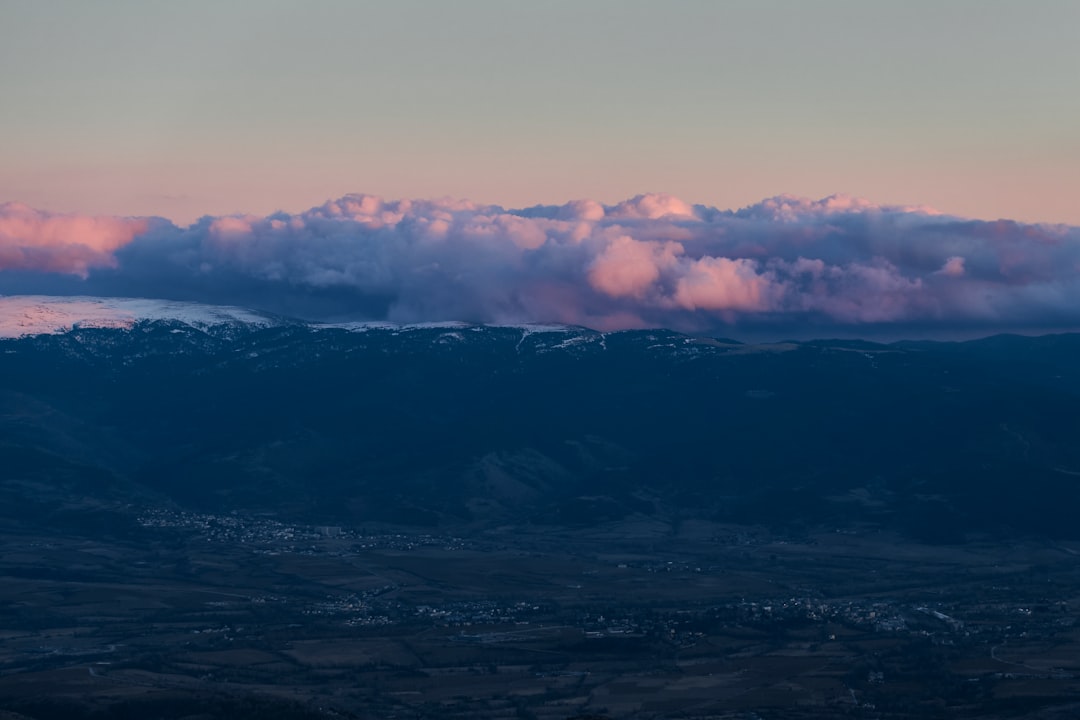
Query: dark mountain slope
x=469, y=426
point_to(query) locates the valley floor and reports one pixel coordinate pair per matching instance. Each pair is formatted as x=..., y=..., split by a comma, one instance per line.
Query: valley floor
x=202, y=615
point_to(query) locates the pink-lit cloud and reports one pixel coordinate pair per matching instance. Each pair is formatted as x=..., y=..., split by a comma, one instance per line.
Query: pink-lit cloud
x=630, y=268
x=651, y=260
x=712, y=283
x=953, y=267
x=35, y=240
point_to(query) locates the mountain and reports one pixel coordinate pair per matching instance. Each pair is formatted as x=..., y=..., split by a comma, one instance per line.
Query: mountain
x=37, y=314
x=106, y=405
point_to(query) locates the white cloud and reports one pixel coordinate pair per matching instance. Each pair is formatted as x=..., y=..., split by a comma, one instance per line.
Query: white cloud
x=651, y=260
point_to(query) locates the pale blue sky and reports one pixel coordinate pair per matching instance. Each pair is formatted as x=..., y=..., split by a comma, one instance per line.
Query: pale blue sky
x=186, y=108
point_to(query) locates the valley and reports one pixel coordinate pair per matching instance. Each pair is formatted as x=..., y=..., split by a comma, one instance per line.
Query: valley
x=628, y=619
x=270, y=519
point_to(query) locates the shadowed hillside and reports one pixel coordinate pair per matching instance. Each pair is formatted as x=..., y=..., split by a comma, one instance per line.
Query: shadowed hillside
x=470, y=426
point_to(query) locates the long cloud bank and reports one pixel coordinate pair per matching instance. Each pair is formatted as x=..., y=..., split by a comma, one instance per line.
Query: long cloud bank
x=653, y=260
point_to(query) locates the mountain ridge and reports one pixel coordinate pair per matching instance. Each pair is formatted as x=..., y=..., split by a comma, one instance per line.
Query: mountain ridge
x=481, y=426
x=30, y=315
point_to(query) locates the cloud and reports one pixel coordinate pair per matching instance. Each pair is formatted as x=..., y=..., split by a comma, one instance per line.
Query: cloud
x=712, y=284
x=652, y=207
x=784, y=264
x=630, y=268
x=35, y=240
x=953, y=267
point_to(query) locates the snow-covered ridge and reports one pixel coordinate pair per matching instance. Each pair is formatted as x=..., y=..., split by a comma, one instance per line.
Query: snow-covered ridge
x=43, y=315
x=366, y=325
x=533, y=328
x=22, y=315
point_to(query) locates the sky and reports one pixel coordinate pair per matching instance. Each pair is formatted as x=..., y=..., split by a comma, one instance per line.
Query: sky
x=136, y=107
x=753, y=166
